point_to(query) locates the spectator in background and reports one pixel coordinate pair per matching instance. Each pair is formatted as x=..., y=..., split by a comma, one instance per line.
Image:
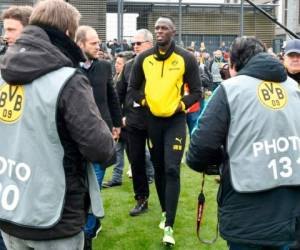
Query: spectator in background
x=116, y=179
x=125, y=46
x=292, y=65
x=53, y=132
x=194, y=111
x=121, y=59
x=202, y=47
x=215, y=66
x=280, y=57
x=114, y=46
x=248, y=127
x=136, y=127
x=100, y=76
x=292, y=59
x=223, y=47
x=15, y=18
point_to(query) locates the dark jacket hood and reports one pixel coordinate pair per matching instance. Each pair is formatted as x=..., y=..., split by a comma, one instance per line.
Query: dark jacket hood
x=265, y=67
x=37, y=52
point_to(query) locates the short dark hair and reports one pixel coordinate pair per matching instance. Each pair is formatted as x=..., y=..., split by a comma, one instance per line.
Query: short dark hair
x=126, y=55
x=170, y=18
x=243, y=49
x=19, y=13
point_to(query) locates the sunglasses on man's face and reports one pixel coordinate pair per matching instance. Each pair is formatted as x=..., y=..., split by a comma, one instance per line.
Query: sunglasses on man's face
x=138, y=43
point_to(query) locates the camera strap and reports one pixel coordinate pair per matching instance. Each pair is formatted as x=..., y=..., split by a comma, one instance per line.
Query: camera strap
x=200, y=211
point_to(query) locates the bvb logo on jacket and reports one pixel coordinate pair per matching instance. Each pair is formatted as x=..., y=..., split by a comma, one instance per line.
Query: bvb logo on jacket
x=11, y=102
x=272, y=95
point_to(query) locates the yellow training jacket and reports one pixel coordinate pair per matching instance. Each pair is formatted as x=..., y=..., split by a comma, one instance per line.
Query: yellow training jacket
x=160, y=82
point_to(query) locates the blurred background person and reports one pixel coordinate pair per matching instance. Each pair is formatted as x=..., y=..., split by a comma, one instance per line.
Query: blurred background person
x=292, y=59
x=121, y=146
x=100, y=76
x=15, y=18
x=215, y=66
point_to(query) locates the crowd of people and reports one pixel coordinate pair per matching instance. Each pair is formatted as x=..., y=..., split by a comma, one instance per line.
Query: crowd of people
x=69, y=109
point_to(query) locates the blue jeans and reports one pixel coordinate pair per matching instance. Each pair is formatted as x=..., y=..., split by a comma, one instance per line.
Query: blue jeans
x=237, y=246
x=203, y=103
x=100, y=172
x=119, y=166
x=148, y=163
x=90, y=224
x=75, y=242
x=191, y=120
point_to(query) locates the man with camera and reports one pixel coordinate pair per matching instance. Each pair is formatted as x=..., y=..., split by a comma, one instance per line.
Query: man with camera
x=252, y=116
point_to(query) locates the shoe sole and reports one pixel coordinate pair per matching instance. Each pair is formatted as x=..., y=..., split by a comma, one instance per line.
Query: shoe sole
x=109, y=186
x=168, y=241
x=142, y=212
x=167, y=244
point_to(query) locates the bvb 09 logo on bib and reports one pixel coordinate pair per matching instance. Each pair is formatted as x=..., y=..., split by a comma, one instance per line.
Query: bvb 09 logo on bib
x=11, y=102
x=272, y=95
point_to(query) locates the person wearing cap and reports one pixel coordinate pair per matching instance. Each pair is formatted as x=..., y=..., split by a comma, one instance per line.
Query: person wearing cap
x=292, y=64
x=251, y=130
x=292, y=59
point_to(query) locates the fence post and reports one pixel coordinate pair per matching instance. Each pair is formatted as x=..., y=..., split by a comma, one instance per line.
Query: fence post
x=242, y=18
x=120, y=21
x=180, y=24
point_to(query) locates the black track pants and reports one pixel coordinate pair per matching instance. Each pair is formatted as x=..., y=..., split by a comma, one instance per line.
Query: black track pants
x=167, y=141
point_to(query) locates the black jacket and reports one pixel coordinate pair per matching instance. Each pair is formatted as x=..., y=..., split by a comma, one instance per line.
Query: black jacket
x=135, y=116
x=263, y=218
x=83, y=133
x=296, y=77
x=106, y=98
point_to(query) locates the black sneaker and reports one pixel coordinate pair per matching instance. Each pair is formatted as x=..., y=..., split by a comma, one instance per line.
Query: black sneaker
x=111, y=184
x=97, y=229
x=141, y=207
x=150, y=180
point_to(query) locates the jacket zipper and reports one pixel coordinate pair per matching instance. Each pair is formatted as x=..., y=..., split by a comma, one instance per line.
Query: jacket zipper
x=162, y=70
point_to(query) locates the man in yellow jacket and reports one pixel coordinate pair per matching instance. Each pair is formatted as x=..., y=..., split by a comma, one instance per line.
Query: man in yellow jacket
x=157, y=82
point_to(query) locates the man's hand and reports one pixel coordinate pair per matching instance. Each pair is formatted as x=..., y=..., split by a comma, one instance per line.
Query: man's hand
x=179, y=107
x=124, y=121
x=116, y=133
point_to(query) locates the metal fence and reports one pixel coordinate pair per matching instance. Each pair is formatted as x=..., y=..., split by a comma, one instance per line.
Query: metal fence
x=196, y=22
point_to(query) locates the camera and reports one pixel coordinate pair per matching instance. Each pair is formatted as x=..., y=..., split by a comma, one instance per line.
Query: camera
x=3, y=48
